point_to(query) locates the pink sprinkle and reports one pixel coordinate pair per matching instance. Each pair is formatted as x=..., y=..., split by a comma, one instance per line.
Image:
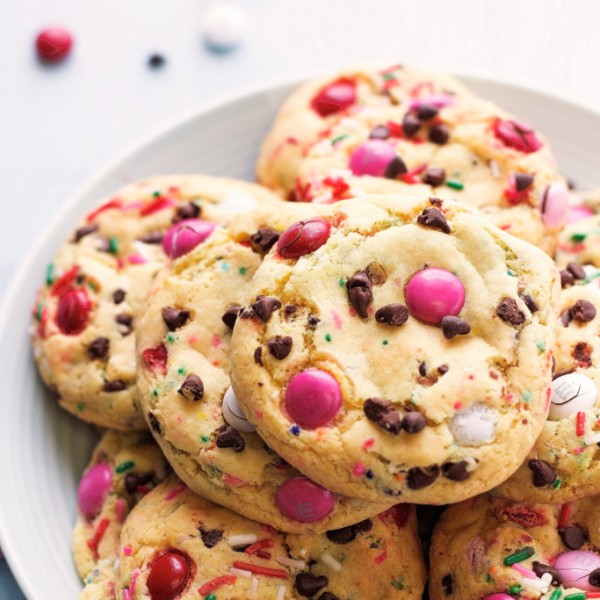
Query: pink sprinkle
x=359, y=469
x=121, y=510
x=174, y=493
x=192, y=339
x=368, y=443
x=381, y=557
x=234, y=481
x=126, y=594
x=577, y=450
x=133, y=205
x=258, y=414
x=337, y=319
x=292, y=140
x=136, y=259
x=216, y=341
x=127, y=550
x=457, y=405
x=524, y=571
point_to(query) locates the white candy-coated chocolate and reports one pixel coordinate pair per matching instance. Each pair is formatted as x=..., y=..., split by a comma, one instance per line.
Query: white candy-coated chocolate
x=223, y=27
x=571, y=393
x=475, y=425
x=233, y=413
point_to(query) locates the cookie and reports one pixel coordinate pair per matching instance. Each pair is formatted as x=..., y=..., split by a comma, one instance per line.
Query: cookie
x=494, y=549
x=420, y=349
x=176, y=544
x=183, y=346
x=580, y=242
x=564, y=463
x=84, y=318
x=123, y=468
x=381, y=131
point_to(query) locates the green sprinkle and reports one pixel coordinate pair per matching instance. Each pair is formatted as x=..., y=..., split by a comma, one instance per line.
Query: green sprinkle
x=81, y=406
x=155, y=393
x=489, y=578
x=578, y=237
x=50, y=274
x=181, y=370
x=556, y=483
x=205, y=439
x=385, y=343
x=156, y=194
x=341, y=282
x=170, y=338
x=225, y=266
x=38, y=312
x=511, y=273
x=327, y=337
x=113, y=245
x=577, y=596
x=591, y=277
x=243, y=270
x=339, y=138
x=387, y=76
x=211, y=597
x=515, y=589
x=125, y=466
x=92, y=285
x=519, y=556
x=398, y=583
x=556, y=594
x=455, y=185
x=541, y=347
x=526, y=396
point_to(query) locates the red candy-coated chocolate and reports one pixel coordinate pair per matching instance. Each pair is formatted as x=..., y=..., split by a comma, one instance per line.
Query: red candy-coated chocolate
x=93, y=489
x=517, y=135
x=432, y=294
x=155, y=358
x=372, y=158
x=168, y=576
x=185, y=236
x=72, y=313
x=303, y=500
x=303, y=237
x=335, y=97
x=53, y=44
x=312, y=398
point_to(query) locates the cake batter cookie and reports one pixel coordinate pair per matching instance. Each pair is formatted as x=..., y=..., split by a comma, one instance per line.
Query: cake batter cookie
x=84, y=318
x=179, y=545
x=399, y=127
x=123, y=468
x=419, y=341
x=184, y=344
x=564, y=463
x=495, y=549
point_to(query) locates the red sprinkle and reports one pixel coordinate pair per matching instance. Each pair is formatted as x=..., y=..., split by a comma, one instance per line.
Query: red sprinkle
x=216, y=583
x=340, y=189
x=258, y=570
x=95, y=540
x=565, y=515
x=380, y=557
x=410, y=177
x=263, y=554
x=64, y=282
x=106, y=206
x=368, y=443
x=580, y=423
x=159, y=203
x=174, y=493
x=254, y=548
x=155, y=358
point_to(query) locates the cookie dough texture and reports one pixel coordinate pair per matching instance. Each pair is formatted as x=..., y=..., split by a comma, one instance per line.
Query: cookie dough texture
x=205, y=284
x=306, y=156
x=111, y=257
x=382, y=559
x=483, y=396
x=580, y=243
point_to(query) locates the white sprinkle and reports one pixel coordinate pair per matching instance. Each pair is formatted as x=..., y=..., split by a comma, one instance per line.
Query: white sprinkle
x=592, y=439
x=322, y=148
x=331, y=562
x=547, y=579
x=253, y=588
x=351, y=124
x=302, y=552
x=280, y=593
x=534, y=585
x=240, y=572
x=242, y=540
x=141, y=249
x=290, y=562
x=494, y=169
x=324, y=198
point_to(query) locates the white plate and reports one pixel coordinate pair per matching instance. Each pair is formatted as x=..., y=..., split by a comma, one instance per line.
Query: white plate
x=42, y=449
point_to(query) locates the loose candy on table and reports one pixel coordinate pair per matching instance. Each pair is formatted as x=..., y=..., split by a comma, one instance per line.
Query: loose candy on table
x=303, y=237
x=233, y=413
x=571, y=393
x=169, y=574
x=53, y=44
x=185, y=236
x=303, y=500
x=554, y=205
x=576, y=567
x=223, y=27
x=93, y=489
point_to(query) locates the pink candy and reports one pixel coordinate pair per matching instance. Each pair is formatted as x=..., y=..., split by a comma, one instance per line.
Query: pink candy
x=372, y=158
x=500, y=596
x=435, y=100
x=185, y=236
x=554, y=205
x=303, y=500
x=432, y=294
x=312, y=398
x=576, y=213
x=93, y=489
x=575, y=568
x=517, y=135
x=335, y=97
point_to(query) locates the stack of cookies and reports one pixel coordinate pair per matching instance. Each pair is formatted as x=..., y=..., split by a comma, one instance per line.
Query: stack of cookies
x=281, y=372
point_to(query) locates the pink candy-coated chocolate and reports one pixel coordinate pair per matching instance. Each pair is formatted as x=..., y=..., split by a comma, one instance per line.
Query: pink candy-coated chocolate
x=303, y=500
x=435, y=100
x=371, y=158
x=575, y=568
x=93, y=489
x=576, y=213
x=53, y=44
x=517, y=135
x=312, y=398
x=303, y=237
x=500, y=596
x=72, y=312
x=554, y=205
x=432, y=294
x=185, y=236
x=335, y=97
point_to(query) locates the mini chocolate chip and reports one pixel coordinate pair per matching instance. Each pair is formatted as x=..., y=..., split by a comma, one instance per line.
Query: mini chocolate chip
x=543, y=473
x=434, y=218
x=436, y=201
x=453, y=326
x=117, y=385
x=508, y=311
x=118, y=296
x=380, y=132
x=230, y=316
x=85, y=230
x=392, y=314
x=265, y=306
x=365, y=525
x=156, y=61
x=530, y=303
x=413, y=422
x=327, y=596
x=420, y=478
x=258, y=356
x=279, y=346
x=192, y=388
x=174, y=318
x=290, y=309
x=434, y=176
x=313, y=321
x=186, y=211
x=540, y=568
x=576, y=270
x=126, y=321
x=263, y=240
x=154, y=423
x=308, y=584
x=154, y=237
x=582, y=311
x=565, y=318
x=133, y=480
x=523, y=181
x=439, y=134
x=230, y=438
x=583, y=353
x=383, y=413
x=448, y=584
x=426, y=112
x=347, y=534
x=573, y=537
x=98, y=348
x=410, y=124
x=594, y=578
x=443, y=369
x=455, y=471
x=210, y=537
x=395, y=168
x=422, y=369
x=360, y=294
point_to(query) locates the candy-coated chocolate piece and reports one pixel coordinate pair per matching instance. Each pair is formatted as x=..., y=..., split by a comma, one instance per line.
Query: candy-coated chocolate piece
x=500, y=596
x=554, y=205
x=571, y=393
x=93, y=489
x=578, y=212
x=312, y=398
x=53, y=44
x=474, y=425
x=72, y=313
x=335, y=97
x=223, y=27
x=303, y=237
x=432, y=294
x=372, y=158
x=517, y=135
x=303, y=500
x=435, y=100
x=168, y=576
x=575, y=568
x=233, y=413
x=185, y=236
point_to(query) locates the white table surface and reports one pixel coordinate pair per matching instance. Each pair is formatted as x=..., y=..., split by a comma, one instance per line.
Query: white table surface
x=59, y=125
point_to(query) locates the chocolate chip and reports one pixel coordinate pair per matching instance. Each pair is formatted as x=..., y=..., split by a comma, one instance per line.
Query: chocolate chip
x=565, y=318
x=426, y=112
x=134, y=480
x=230, y=316
x=365, y=525
x=381, y=132
x=376, y=273
x=98, y=348
x=540, y=568
x=258, y=356
x=434, y=176
x=455, y=471
x=126, y=322
x=154, y=423
x=308, y=584
x=422, y=369
x=360, y=294
x=327, y=596
x=582, y=311
x=453, y=326
x=413, y=422
x=279, y=346
x=392, y=314
x=508, y=311
x=263, y=240
x=154, y=237
x=530, y=303
x=290, y=309
x=186, y=211
x=192, y=388
x=117, y=385
x=395, y=168
x=265, y=306
x=174, y=318
x=410, y=124
x=573, y=537
x=156, y=61
x=420, y=478
x=85, y=230
x=594, y=578
x=434, y=218
x=583, y=353
x=448, y=584
x=118, y=296
x=443, y=369
x=576, y=270
x=230, y=438
x=313, y=321
x=439, y=134
x=436, y=201
x=523, y=181
x=347, y=534
x=383, y=413
x=210, y=537
x=543, y=473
